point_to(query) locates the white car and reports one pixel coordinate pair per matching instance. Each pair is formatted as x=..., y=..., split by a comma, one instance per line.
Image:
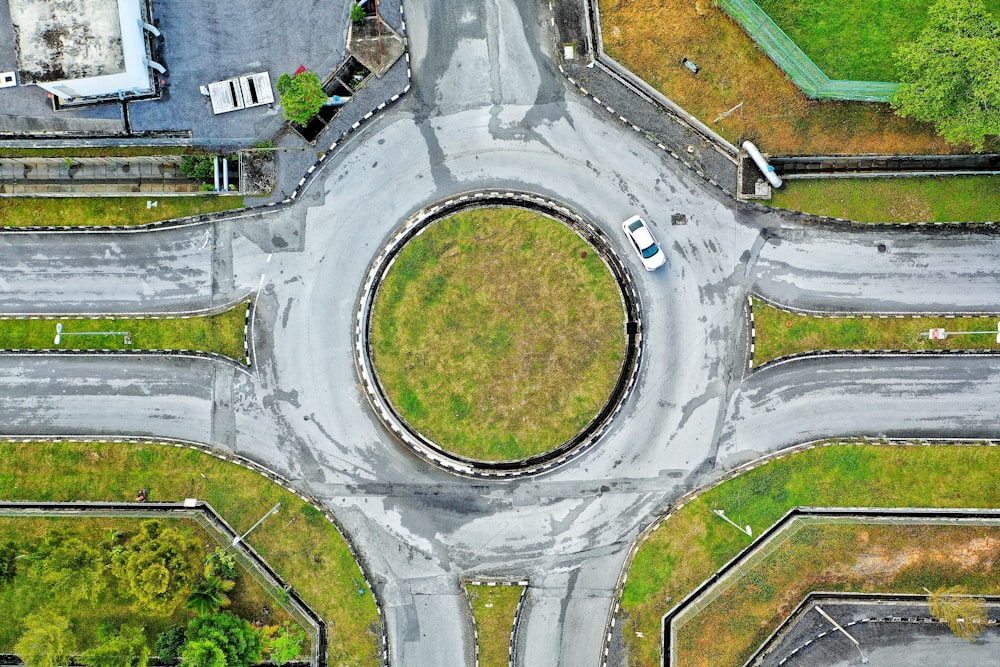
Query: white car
x=649, y=252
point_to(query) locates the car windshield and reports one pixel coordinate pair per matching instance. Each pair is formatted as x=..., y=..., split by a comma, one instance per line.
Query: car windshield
x=650, y=251
x=635, y=225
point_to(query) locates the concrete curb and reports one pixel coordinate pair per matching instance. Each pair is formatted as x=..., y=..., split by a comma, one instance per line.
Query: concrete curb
x=524, y=583
x=739, y=470
x=425, y=448
x=259, y=469
x=854, y=353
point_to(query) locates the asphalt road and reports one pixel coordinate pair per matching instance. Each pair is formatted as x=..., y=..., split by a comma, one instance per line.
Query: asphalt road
x=488, y=111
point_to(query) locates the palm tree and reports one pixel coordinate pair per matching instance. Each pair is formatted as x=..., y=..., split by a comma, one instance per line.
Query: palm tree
x=209, y=596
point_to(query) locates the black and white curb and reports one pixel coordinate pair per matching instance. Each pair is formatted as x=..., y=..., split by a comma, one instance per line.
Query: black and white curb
x=257, y=468
x=862, y=316
x=523, y=583
x=739, y=470
x=424, y=447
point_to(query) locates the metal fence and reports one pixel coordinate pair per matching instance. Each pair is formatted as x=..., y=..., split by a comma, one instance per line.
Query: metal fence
x=803, y=72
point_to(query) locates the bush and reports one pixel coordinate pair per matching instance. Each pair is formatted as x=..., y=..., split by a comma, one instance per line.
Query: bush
x=198, y=167
x=46, y=642
x=169, y=643
x=8, y=562
x=125, y=647
x=232, y=635
x=357, y=13
x=157, y=566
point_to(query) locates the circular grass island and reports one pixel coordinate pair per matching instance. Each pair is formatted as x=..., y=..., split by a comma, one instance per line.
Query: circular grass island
x=498, y=334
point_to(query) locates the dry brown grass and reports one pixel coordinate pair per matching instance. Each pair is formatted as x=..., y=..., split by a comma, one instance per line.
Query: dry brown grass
x=651, y=37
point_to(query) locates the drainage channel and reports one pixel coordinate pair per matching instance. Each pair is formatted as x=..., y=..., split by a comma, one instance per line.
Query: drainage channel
x=867, y=166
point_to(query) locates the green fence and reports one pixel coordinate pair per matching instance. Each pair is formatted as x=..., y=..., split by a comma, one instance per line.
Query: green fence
x=803, y=72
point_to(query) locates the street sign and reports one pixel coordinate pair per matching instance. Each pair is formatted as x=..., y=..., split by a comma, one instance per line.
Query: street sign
x=939, y=334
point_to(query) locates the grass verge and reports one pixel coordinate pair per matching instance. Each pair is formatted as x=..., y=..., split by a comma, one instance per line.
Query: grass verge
x=498, y=333
x=24, y=596
x=693, y=543
x=651, y=37
x=866, y=558
x=106, y=211
x=494, y=608
x=299, y=542
x=781, y=333
x=880, y=200
x=221, y=333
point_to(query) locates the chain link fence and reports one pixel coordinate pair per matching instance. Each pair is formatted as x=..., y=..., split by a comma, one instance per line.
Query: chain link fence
x=803, y=72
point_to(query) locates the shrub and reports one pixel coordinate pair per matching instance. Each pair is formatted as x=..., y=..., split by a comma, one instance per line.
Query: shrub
x=198, y=167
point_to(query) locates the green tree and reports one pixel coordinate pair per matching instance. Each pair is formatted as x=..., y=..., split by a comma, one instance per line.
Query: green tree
x=302, y=96
x=220, y=564
x=46, y=642
x=285, y=645
x=203, y=653
x=124, y=648
x=209, y=596
x=70, y=569
x=965, y=615
x=949, y=74
x=8, y=562
x=236, y=638
x=158, y=564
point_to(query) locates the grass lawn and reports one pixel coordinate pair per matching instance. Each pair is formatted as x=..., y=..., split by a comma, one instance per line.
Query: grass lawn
x=104, y=211
x=23, y=595
x=498, y=333
x=651, y=37
x=952, y=199
x=693, y=543
x=494, y=607
x=221, y=333
x=867, y=558
x=299, y=542
x=780, y=333
x=853, y=40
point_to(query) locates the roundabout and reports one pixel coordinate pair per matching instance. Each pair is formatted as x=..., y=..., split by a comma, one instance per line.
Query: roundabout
x=498, y=334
